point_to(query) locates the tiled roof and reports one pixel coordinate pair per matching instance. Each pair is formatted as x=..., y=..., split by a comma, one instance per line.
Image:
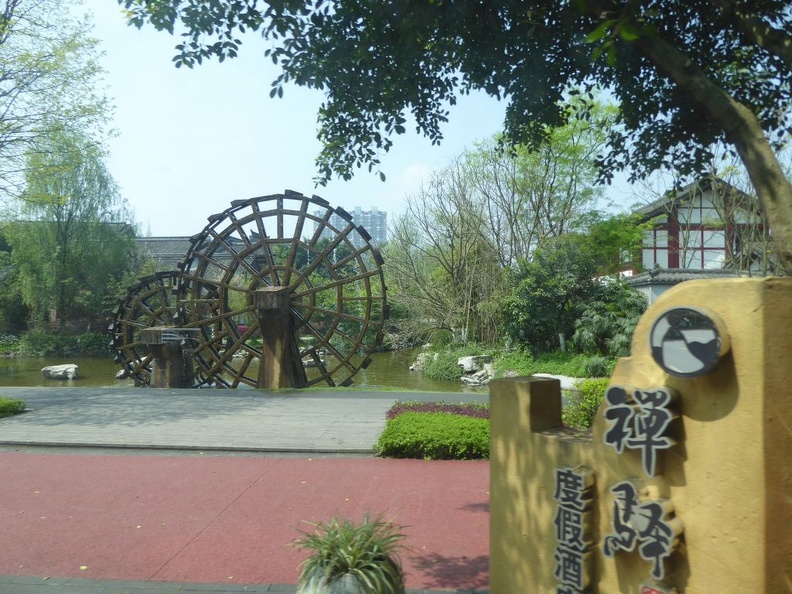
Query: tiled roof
x=672, y=276
x=661, y=205
x=167, y=251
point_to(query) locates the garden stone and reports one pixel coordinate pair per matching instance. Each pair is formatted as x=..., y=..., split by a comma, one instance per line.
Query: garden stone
x=567, y=383
x=479, y=378
x=473, y=363
x=63, y=372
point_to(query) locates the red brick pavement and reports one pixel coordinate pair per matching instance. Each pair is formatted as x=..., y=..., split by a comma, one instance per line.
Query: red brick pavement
x=231, y=519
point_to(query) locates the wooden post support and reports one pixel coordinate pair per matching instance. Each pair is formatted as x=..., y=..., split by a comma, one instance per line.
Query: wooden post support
x=171, y=366
x=281, y=366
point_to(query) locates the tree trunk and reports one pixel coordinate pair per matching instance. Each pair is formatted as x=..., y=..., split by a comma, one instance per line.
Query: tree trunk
x=742, y=130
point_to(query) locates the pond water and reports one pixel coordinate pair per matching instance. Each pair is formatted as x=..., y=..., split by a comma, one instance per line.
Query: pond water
x=387, y=370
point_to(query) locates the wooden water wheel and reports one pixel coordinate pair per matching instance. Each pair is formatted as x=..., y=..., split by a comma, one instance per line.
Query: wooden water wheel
x=286, y=292
x=149, y=302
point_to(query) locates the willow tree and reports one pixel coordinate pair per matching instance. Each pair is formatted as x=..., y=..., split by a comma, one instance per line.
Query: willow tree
x=49, y=68
x=72, y=235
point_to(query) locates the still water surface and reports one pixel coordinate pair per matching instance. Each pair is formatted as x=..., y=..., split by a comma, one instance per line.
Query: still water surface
x=387, y=370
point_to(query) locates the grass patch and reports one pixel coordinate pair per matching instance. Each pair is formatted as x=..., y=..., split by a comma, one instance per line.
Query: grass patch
x=9, y=407
x=435, y=436
x=556, y=363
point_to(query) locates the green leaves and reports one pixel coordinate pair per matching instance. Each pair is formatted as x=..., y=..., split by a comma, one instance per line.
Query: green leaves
x=365, y=554
x=10, y=406
x=435, y=436
x=75, y=231
x=49, y=67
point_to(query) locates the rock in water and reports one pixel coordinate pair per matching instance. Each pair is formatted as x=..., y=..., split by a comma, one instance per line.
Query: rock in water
x=67, y=371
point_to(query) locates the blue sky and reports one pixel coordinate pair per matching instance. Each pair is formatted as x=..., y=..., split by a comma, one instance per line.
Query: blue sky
x=190, y=141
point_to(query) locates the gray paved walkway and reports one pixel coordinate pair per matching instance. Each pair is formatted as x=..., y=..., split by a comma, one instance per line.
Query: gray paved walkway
x=340, y=422
x=30, y=585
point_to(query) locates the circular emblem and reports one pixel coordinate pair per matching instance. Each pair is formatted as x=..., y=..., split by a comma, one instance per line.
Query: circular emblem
x=688, y=341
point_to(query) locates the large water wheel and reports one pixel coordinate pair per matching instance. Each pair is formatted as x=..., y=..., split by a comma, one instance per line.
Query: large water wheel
x=285, y=292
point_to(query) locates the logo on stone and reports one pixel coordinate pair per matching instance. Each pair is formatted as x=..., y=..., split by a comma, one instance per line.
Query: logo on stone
x=686, y=342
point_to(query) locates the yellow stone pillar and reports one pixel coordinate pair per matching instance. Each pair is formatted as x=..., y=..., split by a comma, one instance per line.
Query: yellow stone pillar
x=725, y=473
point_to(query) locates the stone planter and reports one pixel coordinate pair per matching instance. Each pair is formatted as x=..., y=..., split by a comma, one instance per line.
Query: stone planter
x=346, y=584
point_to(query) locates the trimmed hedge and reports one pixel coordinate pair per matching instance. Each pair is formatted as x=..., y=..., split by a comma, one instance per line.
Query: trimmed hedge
x=435, y=436
x=9, y=406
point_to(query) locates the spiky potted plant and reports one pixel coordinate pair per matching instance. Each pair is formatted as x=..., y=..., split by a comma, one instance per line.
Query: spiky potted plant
x=349, y=558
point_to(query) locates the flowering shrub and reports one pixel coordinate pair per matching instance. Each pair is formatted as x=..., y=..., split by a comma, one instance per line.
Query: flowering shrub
x=473, y=410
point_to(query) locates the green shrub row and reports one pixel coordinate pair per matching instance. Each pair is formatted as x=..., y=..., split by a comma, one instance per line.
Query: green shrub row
x=9, y=406
x=435, y=436
x=582, y=404
x=556, y=363
x=41, y=343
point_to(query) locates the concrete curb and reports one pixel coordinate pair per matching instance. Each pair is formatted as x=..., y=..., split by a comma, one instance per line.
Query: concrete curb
x=32, y=585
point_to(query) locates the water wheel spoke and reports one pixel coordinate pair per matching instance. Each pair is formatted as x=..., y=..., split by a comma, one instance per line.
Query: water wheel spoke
x=232, y=348
x=143, y=363
x=322, y=341
x=332, y=313
x=296, y=243
x=205, y=262
x=335, y=284
x=235, y=256
x=263, y=243
x=219, y=317
x=325, y=253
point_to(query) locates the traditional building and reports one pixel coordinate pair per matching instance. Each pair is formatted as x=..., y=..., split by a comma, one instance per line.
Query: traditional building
x=167, y=252
x=707, y=229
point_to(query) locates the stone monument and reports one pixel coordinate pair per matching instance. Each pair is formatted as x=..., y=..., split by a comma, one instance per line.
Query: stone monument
x=684, y=483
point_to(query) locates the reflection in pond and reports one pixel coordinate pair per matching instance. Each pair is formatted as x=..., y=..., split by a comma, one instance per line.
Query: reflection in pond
x=388, y=370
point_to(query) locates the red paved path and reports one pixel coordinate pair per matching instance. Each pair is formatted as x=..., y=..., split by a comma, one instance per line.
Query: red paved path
x=219, y=519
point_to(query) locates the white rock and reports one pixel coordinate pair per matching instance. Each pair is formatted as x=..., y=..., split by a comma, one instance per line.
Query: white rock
x=66, y=371
x=473, y=363
x=567, y=383
x=480, y=378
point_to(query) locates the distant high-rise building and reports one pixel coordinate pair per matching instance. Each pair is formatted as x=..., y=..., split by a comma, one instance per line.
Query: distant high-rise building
x=374, y=221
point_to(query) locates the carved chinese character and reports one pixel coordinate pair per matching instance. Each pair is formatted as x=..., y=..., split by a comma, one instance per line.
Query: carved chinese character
x=639, y=426
x=648, y=524
x=573, y=492
x=571, y=487
x=569, y=528
x=569, y=568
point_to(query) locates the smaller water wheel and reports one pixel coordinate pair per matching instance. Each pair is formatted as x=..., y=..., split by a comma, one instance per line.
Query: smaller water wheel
x=149, y=302
x=286, y=291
